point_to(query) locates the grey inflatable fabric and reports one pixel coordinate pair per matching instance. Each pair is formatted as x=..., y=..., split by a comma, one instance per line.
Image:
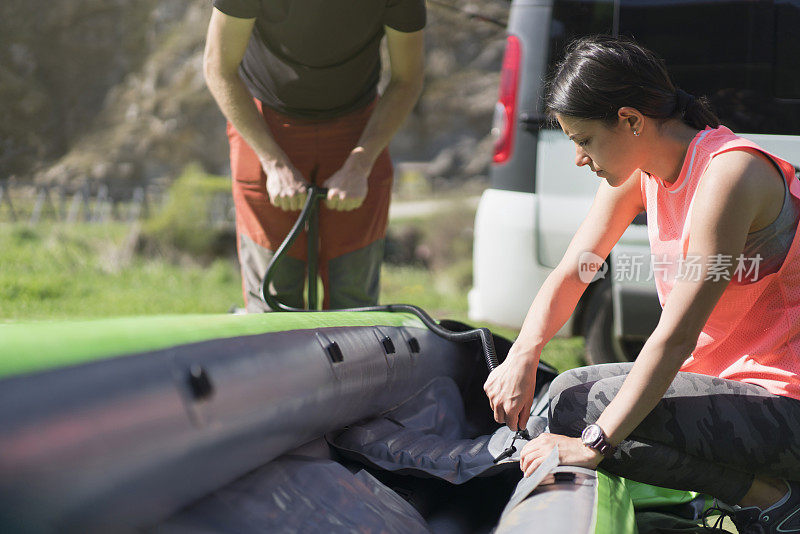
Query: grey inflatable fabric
x=554, y=505
x=299, y=494
x=123, y=443
x=428, y=435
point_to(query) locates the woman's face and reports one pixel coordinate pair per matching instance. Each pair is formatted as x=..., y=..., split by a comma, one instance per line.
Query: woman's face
x=611, y=151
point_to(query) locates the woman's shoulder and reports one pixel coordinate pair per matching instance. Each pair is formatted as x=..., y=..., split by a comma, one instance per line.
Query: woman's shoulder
x=735, y=158
x=713, y=142
x=747, y=174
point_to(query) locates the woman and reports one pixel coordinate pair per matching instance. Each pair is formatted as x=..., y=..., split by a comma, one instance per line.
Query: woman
x=712, y=403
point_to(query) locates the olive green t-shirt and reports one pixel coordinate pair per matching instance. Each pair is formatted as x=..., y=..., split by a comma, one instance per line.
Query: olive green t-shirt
x=318, y=58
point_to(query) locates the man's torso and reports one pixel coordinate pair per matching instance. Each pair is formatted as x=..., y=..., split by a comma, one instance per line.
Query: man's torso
x=318, y=58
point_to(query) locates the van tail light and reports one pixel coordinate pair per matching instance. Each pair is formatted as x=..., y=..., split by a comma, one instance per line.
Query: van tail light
x=505, y=110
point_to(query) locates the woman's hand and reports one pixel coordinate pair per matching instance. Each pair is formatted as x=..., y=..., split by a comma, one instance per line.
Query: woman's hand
x=571, y=451
x=510, y=388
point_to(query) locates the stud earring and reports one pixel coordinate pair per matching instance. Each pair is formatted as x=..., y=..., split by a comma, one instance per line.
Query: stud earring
x=636, y=133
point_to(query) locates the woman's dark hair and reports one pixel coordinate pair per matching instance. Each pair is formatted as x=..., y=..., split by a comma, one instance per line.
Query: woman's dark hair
x=601, y=74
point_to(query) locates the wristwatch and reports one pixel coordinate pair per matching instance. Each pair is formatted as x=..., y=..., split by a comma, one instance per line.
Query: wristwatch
x=594, y=438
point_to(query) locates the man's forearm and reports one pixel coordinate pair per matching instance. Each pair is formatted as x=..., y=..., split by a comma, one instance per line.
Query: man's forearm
x=236, y=103
x=391, y=111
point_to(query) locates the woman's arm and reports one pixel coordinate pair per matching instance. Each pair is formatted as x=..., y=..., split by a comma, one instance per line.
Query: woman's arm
x=730, y=196
x=728, y=199
x=510, y=387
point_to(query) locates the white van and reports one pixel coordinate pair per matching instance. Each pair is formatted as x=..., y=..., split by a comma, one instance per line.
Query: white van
x=743, y=55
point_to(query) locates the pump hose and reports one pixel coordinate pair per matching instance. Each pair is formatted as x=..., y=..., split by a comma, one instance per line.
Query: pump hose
x=308, y=214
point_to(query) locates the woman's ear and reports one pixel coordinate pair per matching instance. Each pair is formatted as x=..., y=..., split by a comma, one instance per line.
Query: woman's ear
x=631, y=119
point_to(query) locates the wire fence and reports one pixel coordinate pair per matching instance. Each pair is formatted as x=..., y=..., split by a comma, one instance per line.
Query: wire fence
x=94, y=204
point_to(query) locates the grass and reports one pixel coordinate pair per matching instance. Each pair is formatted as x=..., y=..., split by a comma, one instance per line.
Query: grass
x=89, y=270
x=55, y=271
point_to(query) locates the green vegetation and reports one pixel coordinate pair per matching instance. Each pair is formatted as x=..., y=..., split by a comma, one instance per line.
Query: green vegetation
x=185, y=225
x=88, y=270
x=183, y=261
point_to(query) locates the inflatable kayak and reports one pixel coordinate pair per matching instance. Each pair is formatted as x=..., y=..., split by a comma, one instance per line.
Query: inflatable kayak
x=282, y=422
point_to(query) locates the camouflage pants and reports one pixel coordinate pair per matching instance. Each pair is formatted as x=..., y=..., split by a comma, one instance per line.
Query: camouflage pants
x=707, y=434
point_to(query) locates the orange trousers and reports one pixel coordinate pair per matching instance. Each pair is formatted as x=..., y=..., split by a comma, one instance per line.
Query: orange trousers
x=318, y=149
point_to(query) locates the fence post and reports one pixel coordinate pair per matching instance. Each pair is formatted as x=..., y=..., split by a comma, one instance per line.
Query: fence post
x=62, y=203
x=37, y=207
x=101, y=205
x=5, y=196
x=80, y=202
x=74, y=206
x=43, y=200
x=137, y=205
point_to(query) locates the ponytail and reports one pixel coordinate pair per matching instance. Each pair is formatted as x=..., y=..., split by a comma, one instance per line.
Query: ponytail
x=601, y=74
x=694, y=112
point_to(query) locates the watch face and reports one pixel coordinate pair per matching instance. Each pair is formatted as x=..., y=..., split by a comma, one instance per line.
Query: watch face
x=591, y=434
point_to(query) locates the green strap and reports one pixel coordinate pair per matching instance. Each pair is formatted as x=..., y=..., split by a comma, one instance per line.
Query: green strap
x=614, y=508
x=648, y=496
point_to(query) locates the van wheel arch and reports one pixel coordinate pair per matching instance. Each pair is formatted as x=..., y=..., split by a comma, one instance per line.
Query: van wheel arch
x=596, y=324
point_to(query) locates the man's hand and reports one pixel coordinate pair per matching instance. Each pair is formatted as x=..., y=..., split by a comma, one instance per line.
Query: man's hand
x=571, y=451
x=510, y=388
x=347, y=187
x=286, y=187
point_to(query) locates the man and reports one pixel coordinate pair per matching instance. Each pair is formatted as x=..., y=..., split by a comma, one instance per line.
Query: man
x=297, y=81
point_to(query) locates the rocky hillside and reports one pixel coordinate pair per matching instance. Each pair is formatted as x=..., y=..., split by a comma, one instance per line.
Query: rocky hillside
x=113, y=91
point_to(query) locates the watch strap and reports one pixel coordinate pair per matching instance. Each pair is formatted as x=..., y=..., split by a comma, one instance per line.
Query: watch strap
x=601, y=443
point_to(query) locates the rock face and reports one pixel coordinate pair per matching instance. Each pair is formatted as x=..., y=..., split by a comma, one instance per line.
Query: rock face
x=112, y=91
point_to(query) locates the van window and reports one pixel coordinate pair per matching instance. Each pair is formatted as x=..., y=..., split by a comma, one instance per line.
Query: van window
x=787, y=50
x=727, y=51
x=744, y=55
x=577, y=18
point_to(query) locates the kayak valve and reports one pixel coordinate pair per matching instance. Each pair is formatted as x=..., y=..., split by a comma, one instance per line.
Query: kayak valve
x=511, y=449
